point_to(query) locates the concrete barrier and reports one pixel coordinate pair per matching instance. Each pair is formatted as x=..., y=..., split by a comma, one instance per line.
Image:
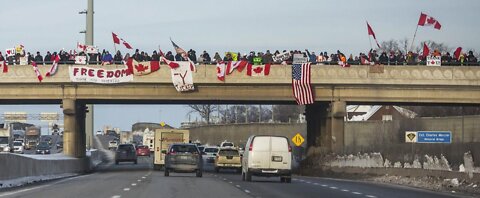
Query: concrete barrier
x=13, y=166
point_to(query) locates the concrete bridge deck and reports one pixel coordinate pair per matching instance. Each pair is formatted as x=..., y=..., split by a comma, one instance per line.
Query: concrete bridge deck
x=419, y=84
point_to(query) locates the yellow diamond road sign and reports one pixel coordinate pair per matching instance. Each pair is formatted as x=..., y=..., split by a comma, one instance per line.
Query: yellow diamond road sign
x=298, y=139
x=162, y=124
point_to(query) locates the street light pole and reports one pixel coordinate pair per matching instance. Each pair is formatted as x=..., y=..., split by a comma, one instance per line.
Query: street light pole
x=89, y=41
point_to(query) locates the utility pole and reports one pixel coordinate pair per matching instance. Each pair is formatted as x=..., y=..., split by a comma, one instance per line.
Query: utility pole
x=89, y=41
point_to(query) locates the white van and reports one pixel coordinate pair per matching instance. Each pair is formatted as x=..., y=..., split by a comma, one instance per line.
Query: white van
x=267, y=156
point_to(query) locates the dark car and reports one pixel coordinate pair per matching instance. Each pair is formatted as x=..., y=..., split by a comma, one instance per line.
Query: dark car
x=183, y=158
x=125, y=153
x=43, y=148
x=143, y=151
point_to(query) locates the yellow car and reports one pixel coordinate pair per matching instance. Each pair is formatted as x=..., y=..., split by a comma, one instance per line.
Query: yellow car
x=228, y=158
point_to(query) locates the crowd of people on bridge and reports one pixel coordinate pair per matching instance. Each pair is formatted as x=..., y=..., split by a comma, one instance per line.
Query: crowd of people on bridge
x=322, y=58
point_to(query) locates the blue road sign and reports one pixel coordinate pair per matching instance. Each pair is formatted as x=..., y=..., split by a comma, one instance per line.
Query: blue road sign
x=434, y=137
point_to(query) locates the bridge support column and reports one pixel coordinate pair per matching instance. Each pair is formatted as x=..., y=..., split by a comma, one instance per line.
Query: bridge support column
x=336, y=126
x=74, y=126
x=325, y=127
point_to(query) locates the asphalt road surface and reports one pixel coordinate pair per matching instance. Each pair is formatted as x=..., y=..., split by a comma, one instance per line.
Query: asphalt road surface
x=129, y=180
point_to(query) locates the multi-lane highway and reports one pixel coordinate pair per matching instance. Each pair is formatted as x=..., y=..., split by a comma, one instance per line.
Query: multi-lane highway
x=129, y=180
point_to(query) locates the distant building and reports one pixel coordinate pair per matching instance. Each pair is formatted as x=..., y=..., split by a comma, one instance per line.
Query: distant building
x=378, y=112
x=142, y=126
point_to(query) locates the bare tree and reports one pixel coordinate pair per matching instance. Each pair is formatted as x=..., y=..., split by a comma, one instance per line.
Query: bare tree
x=204, y=110
x=390, y=45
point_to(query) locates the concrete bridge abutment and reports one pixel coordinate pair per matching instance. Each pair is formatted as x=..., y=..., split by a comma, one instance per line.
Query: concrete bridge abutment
x=325, y=127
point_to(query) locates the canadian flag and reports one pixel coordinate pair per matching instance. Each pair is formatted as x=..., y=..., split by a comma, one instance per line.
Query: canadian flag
x=258, y=70
x=81, y=47
x=54, y=67
x=142, y=68
x=221, y=70
x=426, y=20
x=35, y=68
x=10, y=52
x=239, y=65
x=4, y=65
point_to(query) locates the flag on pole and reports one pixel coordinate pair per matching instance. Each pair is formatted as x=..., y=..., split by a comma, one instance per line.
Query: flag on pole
x=426, y=51
x=370, y=32
x=35, y=68
x=81, y=47
x=178, y=49
x=426, y=20
x=54, y=67
x=171, y=64
x=116, y=40
x=457, y=53
x=301, y=84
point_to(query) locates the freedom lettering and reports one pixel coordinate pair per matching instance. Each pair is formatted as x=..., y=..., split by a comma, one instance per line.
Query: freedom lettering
x=99, y=75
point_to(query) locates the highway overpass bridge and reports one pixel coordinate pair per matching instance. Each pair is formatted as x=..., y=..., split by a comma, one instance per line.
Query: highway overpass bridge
x=334, y=88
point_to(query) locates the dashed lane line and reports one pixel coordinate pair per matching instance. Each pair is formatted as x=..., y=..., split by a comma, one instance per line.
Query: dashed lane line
x=116, y=196
x=134, y=184
x=126, y=189
x=357, y=193
x=333, y=187
x=247, y=191
x=370, y=196
x=345, y=190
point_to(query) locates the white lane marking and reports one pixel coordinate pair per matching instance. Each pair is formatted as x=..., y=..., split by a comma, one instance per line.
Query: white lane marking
x=126, y=189
x=134, y=184
x=224, y=179
x=143, y=177
x=116, y=196
x=333, y=187
x=316, y=184
x=29, y=189
x=139, y=180
x=247, y=191
x=357, y=193
x=345, y=190
x=323, y=185
x=308, y=182
x=371, y=196
x=230, y=182
x=24, y=190
x=238, y=186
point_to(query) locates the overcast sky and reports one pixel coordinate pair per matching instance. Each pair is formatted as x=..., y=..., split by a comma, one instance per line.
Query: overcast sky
x=228, y=25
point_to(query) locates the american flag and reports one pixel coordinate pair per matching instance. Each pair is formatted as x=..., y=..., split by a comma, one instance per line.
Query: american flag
x=178, y=49
x=302, y=90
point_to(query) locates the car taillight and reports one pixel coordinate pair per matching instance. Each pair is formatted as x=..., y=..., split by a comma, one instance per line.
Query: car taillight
x=171, y=153
x=250, y=148
x=289, y=149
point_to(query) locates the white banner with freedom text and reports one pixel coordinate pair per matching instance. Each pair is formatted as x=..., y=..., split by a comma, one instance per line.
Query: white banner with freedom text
x=99, y=75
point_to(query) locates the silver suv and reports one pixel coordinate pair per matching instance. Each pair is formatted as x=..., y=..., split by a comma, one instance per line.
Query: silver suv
x=183, y=158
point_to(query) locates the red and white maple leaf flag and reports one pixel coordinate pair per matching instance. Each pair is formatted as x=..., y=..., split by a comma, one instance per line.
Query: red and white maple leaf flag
x=142, y=68
x=426, y=51
x=35, y=68
x=171, y=64
x=370, y=32
x=258, y=70
x=239, y=65
x=116, y=40
x=426, y=20
x=81, y=47
x=4, y=65
x=128, y=46
x=54, y=67
x=221, y=70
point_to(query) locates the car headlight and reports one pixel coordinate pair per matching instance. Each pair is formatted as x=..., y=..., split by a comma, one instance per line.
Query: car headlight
x=39, y=151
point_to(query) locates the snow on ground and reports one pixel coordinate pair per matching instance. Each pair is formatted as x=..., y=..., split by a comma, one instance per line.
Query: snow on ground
x=33, y=179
